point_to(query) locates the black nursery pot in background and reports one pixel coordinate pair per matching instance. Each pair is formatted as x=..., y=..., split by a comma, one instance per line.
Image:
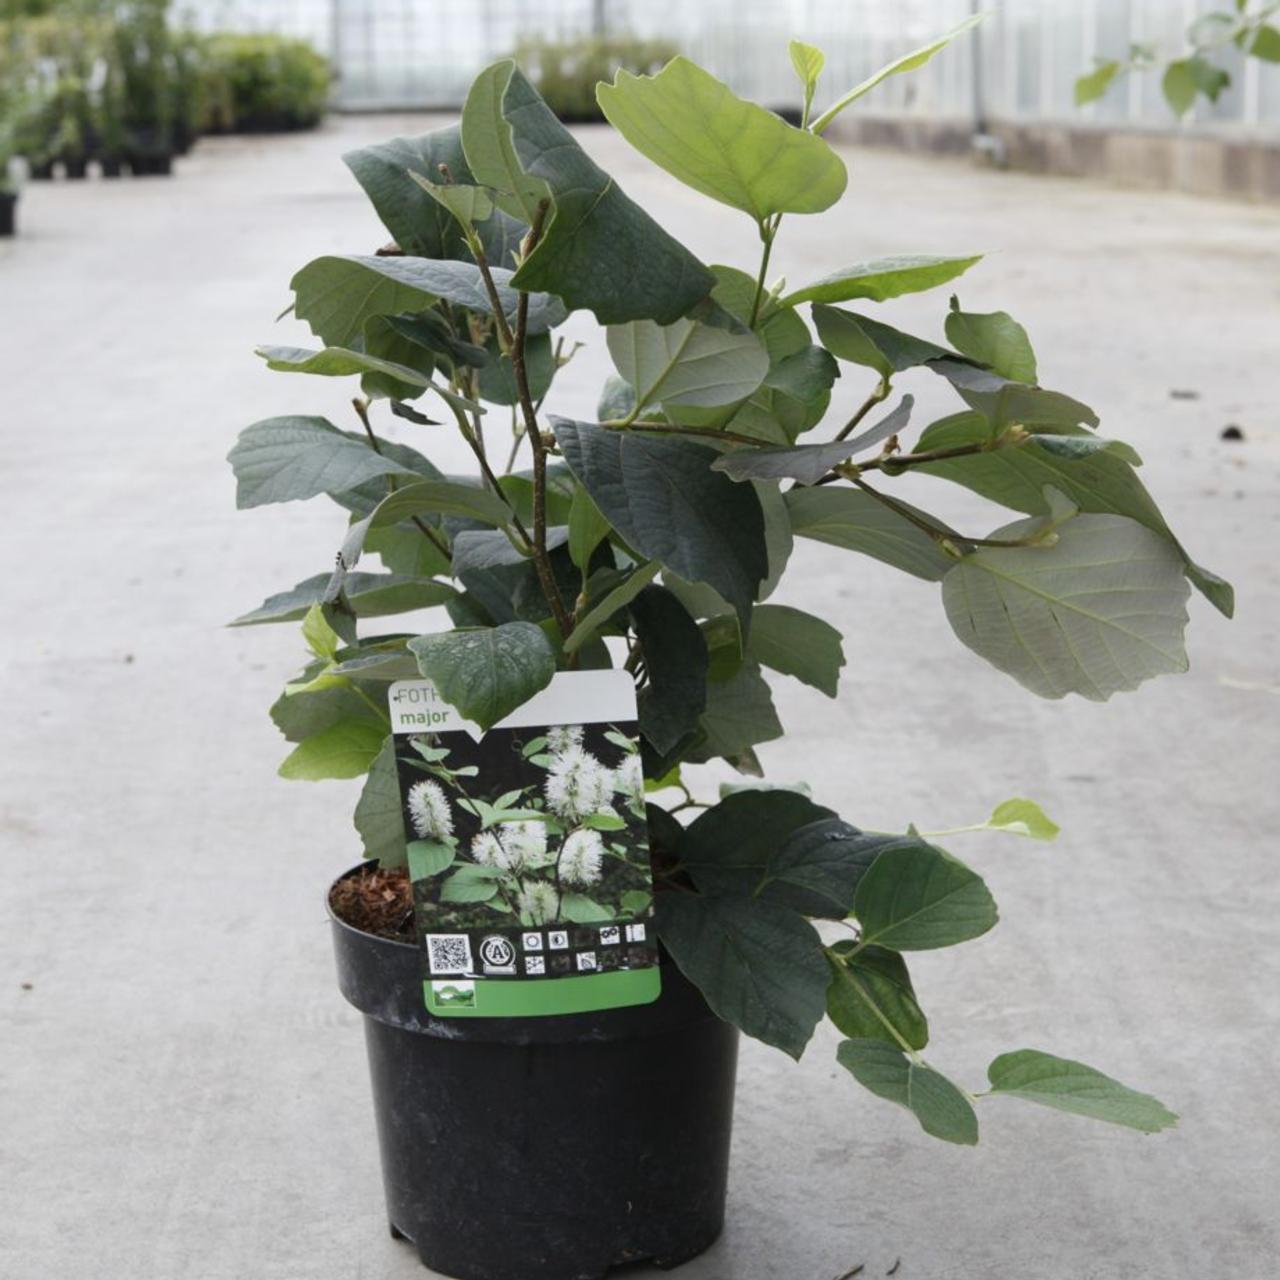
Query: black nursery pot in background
x=8, y=213
x=547, y=1148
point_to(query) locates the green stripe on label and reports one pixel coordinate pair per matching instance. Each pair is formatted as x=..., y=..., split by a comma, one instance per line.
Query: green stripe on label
x=507, y=998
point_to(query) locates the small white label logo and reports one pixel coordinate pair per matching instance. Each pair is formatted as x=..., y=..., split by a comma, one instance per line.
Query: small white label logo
x=635, y=933
x=497, y=954
x=587, y=961
x=610, y=935
x=535, y=964
x=558, y=940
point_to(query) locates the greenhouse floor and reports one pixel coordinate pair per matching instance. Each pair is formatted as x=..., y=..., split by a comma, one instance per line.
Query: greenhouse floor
x=182, y=1090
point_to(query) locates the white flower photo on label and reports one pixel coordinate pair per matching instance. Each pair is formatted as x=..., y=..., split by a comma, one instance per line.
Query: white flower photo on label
x=539, y=903
x=578, y=785
x=429, y=810
x=582, y=858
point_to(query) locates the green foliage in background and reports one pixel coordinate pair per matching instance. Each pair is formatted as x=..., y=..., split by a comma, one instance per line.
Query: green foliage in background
x=654, y=533
x=566, y=72
x=261, y=83
x=1255, y=31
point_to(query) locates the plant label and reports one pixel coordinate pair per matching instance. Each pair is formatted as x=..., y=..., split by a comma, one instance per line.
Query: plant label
x=529, y=850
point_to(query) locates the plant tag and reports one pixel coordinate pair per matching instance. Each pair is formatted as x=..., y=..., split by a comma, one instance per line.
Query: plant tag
x=529, y=850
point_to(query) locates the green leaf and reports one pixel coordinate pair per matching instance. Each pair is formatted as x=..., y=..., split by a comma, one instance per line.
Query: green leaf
x=300, y=715
x=740, y=714
x=760, y=966
x=497, y=380
x=418, y=223
x=467, y=204
x=1094, y=84
x=291, y=458
x=942, y=1110
x=1023, y=818
x=882, y=279
x=579, y=909
x=1079, y=1089
x=854, y=520
x=486, y=673
x=383, y=341
x=320, y=637
x=674, y=695
x=730, y=847
x=605, y=608
x=861, y=340
x=915, y=897
x=1186, y=77
x=869, y=988
x=1002, y=400
x=337, y=362
x=817, y=868
x=992, y=338
x=797, y=644
x=1266, y=44
x=599, y=250
x=808, y=61
x=587, y=528
x=440, y=497
x=337, y=295
x=379, y=817
x=687, y=363
x=808, y=463
x=699, y=131
x=470, y=883
x=663, y=498
x=1098, y=612
x=371, y=595
x=344, y=750
x=908, y=62
x=1097, y=479
x=427, y=858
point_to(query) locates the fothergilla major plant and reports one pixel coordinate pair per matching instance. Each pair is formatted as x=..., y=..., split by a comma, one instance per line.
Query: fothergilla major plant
x=654, y=536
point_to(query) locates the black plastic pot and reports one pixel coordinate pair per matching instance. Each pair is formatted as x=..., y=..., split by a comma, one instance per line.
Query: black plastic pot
x=76, y=166
x=544, y=1148
x=8, y=212
x=41, y=172
x=110, y=166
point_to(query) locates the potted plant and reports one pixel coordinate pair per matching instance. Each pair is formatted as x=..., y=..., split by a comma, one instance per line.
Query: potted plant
x=141, y=51
x=649, y=540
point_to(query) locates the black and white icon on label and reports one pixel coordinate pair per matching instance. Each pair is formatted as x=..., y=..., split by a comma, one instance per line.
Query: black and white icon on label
x=532, y=942
x=635, y=933
x=610, y=935
x=558, y=939
x=535, y=964
x=497, y=955
x=587, y=962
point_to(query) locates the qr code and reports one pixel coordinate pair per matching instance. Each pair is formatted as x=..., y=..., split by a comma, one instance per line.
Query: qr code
x=448, y=953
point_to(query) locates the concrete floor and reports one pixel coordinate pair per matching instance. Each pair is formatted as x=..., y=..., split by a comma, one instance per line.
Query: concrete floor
x=182, y=1091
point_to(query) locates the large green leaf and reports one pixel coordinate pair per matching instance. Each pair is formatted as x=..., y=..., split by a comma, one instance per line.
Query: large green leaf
x=942, y=1110
x=343, y=750
x=379, y=817
x=1099, y=611
x=760, y=966
x=797, y=644
x=440, y=497
x=291, y=458
x=418, y=223
x=854, y=520
x=908, y=62
x=674, y=694
x=740, y=715
x=1099, y=479
x=915, y=897
x=599, y=249
x=338, y=362
x=687, y=363
x=1072, y=1086
x=817, y=868
x=871, y=996
x=371, y=595
x=601, y=610
x=730, y=847
x=301, y=715
x=337, y=295
x=882, y=279
x=992, y=338
x=864, y=341
x=702, y=133
x=487, y=672
x=666, y=502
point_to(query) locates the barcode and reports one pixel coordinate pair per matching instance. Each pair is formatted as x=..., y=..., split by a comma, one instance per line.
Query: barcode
x=449, y=953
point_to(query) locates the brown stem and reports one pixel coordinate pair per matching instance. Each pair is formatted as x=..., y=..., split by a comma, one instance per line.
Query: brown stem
x=879, y=394
x=516, y=344
x=710, y=433
x=935, y=531
x=893, y=463
x=362, y=412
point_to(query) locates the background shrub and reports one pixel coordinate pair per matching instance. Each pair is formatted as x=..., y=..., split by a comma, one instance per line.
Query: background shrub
x=566, y=71
x=261, y=83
